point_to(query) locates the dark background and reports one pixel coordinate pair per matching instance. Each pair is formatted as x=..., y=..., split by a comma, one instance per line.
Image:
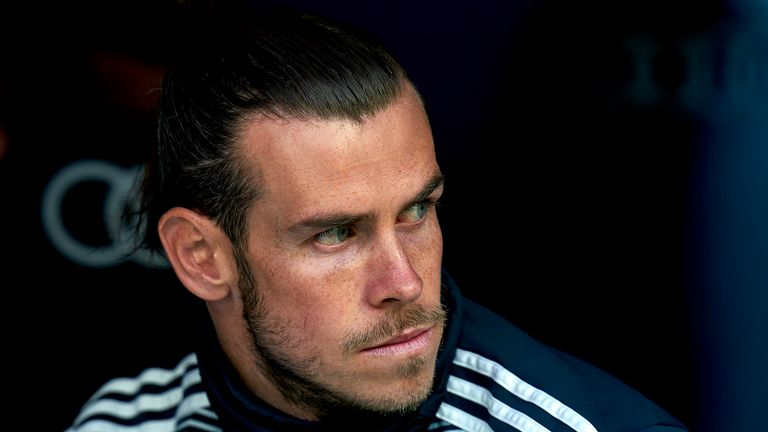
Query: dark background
x=606, y=187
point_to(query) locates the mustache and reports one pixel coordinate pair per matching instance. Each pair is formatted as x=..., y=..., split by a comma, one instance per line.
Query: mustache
x=395, y=323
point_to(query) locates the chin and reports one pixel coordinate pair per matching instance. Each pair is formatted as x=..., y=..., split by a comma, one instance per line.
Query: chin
x=403, y=401
x=405, y=393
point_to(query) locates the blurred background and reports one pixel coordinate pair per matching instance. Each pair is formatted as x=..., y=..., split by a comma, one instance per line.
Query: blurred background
x=606, y=173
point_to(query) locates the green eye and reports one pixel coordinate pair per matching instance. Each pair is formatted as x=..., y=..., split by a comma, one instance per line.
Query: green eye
x=334, y=236
x=415, y=212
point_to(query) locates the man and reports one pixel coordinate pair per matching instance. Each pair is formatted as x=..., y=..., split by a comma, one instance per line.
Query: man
x=293, y=189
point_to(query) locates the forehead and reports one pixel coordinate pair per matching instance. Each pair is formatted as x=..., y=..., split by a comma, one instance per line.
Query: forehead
x=305, y=164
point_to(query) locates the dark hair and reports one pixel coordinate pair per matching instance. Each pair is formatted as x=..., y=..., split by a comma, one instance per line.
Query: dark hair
x=276, y=63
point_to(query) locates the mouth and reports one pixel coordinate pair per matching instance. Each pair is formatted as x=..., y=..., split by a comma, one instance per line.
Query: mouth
x=404, y=343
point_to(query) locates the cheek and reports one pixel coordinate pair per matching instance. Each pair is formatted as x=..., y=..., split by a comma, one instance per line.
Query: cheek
x=303, y=296
x=425, y=250
x=426, y=258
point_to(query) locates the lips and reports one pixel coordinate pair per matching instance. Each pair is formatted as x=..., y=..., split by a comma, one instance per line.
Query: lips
x=411, y=340
x=404, y=337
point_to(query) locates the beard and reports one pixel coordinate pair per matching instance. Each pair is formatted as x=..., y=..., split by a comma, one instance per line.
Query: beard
x=296, y=378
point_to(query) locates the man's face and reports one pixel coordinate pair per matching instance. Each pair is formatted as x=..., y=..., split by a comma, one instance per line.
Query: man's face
x=345, y=249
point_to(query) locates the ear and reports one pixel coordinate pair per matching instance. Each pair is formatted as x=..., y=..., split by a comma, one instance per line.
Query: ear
x=199, y=252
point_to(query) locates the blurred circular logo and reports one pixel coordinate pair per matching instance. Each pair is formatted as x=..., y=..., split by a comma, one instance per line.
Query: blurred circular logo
x=119, y=184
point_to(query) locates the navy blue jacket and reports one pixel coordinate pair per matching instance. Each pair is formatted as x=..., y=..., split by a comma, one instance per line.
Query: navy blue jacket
x=490, y=376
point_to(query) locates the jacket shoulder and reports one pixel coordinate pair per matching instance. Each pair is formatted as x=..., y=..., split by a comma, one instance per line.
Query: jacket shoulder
x=503, y=376
x=155, y=400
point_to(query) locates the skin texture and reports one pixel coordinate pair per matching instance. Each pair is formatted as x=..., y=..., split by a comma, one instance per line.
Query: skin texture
x=344, y=254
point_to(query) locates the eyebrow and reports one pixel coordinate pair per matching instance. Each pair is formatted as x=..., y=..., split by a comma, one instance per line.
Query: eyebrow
x=340, y=219
x=432, y=185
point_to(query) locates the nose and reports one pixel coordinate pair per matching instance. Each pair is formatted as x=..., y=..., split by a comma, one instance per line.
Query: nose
x=391, y=275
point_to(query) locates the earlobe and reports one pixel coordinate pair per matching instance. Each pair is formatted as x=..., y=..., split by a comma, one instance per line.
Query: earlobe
x=198, y=251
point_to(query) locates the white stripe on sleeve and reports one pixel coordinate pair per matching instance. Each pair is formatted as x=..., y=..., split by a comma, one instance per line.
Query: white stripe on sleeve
x=522, y=389
x=498, y=409
x=142, y=403
x=464, y=420
x=152, y=376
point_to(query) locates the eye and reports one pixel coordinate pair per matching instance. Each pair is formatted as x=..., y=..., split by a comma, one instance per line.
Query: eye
x=334, y=236
x=415, y=212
